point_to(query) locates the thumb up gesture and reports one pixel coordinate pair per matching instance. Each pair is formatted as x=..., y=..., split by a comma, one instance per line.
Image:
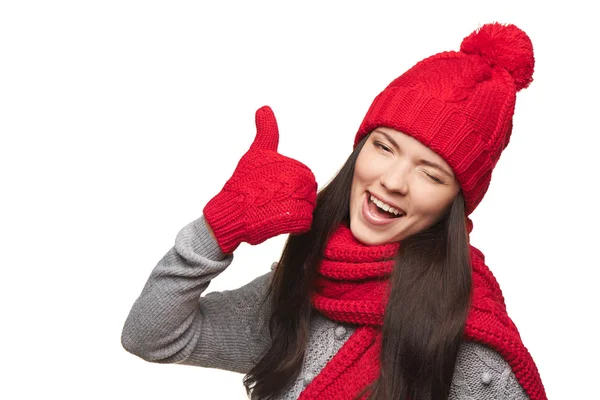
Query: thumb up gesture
x=268, y=194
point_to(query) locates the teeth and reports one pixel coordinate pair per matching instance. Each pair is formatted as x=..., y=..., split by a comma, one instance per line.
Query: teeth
x=385, y=206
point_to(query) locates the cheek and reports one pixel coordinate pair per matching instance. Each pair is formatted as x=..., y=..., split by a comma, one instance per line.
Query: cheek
x=434, y=203
x=365, y=169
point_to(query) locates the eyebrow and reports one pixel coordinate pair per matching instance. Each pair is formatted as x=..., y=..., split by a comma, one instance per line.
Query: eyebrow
x=424, y=162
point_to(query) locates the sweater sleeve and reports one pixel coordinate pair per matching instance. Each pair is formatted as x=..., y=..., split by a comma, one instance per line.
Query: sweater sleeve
x=171, y=322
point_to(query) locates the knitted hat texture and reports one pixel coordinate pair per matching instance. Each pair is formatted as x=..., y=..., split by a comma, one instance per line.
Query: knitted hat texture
x=461, y=103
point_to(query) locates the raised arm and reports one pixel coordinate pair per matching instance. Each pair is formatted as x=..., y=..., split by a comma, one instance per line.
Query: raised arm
x=171, y=322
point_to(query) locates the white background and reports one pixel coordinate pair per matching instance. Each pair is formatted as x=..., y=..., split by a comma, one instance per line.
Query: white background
x=119, y=120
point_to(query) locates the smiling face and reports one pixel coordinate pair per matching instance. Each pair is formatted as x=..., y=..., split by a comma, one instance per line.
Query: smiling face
x=400, y=172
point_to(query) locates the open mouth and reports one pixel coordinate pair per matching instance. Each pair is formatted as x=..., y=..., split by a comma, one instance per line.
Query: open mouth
x=381, y=210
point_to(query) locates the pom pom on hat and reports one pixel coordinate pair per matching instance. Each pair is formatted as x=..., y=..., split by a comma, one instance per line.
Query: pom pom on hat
x=460, y=104
x=506, y=46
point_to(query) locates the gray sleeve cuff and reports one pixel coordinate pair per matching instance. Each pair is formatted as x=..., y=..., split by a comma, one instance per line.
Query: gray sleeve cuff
x=201, y=241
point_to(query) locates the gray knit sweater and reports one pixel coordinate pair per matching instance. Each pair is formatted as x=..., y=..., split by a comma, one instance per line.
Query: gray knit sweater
x=171, y=322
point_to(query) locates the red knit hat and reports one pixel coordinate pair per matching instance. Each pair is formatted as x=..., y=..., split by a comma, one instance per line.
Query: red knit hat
x=460, y=104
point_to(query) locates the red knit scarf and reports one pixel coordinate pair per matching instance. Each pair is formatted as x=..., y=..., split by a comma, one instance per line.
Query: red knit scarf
x=351, y=288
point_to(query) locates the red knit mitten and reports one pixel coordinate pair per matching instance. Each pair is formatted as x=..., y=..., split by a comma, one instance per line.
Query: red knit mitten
x=267, y=195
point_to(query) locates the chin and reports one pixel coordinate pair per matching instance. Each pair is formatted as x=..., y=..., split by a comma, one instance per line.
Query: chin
x=363, y=235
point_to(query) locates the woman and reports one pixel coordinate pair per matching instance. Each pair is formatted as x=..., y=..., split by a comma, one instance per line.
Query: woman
x=378, y=293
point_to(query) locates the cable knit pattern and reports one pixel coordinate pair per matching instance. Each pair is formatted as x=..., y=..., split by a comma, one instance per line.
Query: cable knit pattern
x=481, y=371
x=461, y=103
x=361, y=300
x=325, y=339
x=268, y=194
x=171, y=322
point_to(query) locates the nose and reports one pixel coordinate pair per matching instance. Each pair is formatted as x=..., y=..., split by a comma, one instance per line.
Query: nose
x=395, y=178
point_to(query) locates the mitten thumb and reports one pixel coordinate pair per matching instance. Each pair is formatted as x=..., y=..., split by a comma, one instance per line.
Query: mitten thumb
x=267, y=132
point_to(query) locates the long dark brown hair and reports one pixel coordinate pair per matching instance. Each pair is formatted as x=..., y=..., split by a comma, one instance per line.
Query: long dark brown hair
x=424, y=318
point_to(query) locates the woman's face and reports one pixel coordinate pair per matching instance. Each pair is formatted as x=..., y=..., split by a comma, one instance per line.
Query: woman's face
x=402, y=173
